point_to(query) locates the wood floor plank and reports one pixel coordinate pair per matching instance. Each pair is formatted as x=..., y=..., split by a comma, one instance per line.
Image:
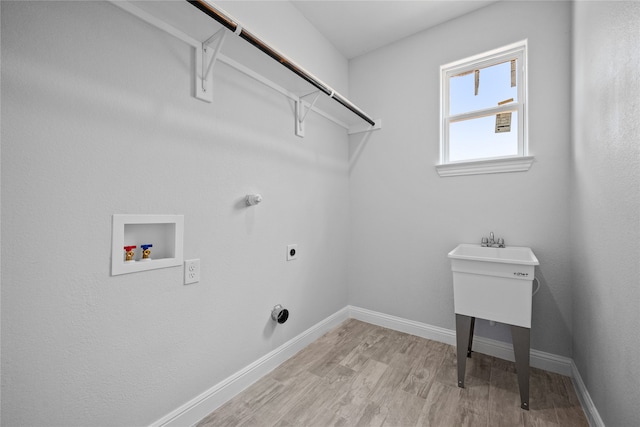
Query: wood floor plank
x=393, y=342
x=373, y=415
x=364, y=375
x=544, y=389
x=310, y=409
x=504, y=397
x=363, y=352
x=440, y=405
x=424, y=367
x=391, y=380
x=570, y=414
x=340, y=373
x=404, y=409
x=353, y=402
x=339, y=349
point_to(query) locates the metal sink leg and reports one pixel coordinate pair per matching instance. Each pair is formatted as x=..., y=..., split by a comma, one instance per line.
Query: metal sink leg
x=464, y=339
x=521, y=338
x=473, y=325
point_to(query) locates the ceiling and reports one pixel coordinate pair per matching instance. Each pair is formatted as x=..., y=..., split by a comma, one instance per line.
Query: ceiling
x=356, y=27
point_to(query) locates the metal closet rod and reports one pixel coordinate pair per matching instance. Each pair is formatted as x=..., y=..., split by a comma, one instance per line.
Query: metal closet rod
x=207, y=8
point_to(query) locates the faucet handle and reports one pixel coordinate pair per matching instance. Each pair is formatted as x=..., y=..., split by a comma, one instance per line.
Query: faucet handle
x=484, y=242
x=501, y=242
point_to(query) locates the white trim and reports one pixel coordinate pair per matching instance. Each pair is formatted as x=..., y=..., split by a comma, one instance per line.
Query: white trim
x=590, y=410
x=418, y=329
x=488, y=57
x=485, y=112
x=510, y=164
x=199, y=407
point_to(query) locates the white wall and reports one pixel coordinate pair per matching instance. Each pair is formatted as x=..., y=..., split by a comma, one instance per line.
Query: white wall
x=606, y=206
x=98, y=119
x=294, y=36
x=405, y=218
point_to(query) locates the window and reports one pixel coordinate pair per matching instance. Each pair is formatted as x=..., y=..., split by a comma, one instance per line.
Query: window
x=484, y=113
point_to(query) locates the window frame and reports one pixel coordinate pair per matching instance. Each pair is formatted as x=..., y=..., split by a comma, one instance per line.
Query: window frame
x=511, y=163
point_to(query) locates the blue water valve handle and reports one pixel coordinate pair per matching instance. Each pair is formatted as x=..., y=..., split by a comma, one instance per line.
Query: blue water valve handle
x=146, y=252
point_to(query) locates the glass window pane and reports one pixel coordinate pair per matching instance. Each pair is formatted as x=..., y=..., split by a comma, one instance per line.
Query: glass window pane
x=477, y=139
x=494, y=87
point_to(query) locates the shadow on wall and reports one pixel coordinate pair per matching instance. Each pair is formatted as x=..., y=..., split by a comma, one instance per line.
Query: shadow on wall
x=502, y=332
x=269, y=328
x=240, y=205
x=356, y=147
x=545, y=307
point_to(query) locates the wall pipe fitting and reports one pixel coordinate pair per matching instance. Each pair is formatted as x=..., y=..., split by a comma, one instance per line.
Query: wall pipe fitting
x=279, y=314
x=252, y=199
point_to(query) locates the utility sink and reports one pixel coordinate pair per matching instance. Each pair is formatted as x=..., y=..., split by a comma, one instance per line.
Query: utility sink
x=493, y=283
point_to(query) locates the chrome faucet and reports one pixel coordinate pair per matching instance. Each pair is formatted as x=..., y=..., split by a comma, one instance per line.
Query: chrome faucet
x=491, y=242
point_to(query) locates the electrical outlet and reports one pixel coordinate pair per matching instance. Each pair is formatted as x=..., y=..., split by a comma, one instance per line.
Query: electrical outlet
x=292, y=252
x=191, y=271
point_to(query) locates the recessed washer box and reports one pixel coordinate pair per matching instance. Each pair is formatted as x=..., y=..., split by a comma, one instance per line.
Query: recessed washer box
x=164, y=232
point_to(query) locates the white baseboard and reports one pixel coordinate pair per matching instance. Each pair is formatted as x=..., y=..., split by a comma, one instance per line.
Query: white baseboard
x=538, y=359
x=590, y=409
x=422, y=330
x=199, y=407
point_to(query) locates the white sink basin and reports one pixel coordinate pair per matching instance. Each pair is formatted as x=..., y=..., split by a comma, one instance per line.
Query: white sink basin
x=509, y=255
x=493, y=283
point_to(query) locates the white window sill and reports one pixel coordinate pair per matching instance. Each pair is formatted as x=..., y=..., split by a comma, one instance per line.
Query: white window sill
x=513, y=164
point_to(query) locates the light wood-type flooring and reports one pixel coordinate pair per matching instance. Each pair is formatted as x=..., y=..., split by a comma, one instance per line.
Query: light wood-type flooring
x=364, y=375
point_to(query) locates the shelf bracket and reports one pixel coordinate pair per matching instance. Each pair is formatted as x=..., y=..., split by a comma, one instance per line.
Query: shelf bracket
x=301, y=115
x=206, y=57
